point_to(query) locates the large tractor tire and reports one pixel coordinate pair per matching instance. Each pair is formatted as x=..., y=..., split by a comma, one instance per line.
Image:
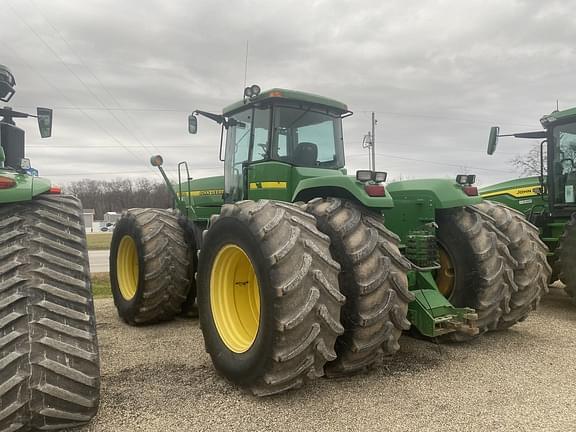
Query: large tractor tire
x=566, y=262
x=373, y=279
x=150, y=266
x=476, y=268
x=531, y=269
x=268, y=296
x=49, y=363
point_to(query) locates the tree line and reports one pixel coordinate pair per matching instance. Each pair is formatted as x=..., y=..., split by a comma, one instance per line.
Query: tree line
x=119, y=194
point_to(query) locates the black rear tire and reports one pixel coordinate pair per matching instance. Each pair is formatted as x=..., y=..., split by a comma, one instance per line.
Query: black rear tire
x=373, y=279
x=530, y=264
x=161, y=263
x=478, y=255
x=49, y=362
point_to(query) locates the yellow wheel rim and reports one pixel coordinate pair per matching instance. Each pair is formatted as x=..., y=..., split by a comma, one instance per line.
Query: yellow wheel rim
x=127, y=267
x=445, y=275
x=235, y=298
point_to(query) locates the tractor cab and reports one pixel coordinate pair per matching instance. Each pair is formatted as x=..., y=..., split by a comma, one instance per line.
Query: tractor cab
x=561, y=146
x=557, y=182
x=274, y=138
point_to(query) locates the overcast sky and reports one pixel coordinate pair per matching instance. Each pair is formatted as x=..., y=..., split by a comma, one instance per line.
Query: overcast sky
x=122, y=77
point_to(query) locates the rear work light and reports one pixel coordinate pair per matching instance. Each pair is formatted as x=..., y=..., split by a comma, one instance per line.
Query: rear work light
x=375, y=190
x=7, y=182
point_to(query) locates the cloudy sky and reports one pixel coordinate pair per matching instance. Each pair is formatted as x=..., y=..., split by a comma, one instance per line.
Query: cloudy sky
x=122, y=76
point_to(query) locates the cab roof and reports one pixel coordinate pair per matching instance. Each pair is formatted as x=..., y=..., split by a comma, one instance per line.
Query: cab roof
x=558, y=115
x=288, y=95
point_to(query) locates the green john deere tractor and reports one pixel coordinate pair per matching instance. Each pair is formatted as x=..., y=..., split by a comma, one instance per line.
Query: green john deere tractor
x=548, y=200
x=297, y=274
x=49, y=367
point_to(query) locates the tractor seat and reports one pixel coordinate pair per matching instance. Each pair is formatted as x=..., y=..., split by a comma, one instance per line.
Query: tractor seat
x=306, y=154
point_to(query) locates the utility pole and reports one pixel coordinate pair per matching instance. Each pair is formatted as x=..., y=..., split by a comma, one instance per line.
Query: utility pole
x=373, y=142
x=369, y=142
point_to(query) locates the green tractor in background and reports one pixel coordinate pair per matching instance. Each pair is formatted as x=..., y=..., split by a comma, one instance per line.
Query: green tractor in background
x=548, y=200
x=49, y=364
x=304, y=270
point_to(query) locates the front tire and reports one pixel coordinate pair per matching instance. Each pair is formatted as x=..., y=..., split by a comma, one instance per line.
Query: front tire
x=268, y=296
x=150, y=266
x=49, y=362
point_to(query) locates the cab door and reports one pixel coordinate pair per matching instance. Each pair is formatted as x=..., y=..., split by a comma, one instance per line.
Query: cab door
x=267, y=178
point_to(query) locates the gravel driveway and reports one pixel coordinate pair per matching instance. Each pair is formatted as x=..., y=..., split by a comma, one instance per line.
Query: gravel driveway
x=160, y=379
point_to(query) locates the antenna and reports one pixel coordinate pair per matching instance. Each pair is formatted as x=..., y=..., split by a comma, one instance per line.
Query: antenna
x=557, y=109
x=245, y=67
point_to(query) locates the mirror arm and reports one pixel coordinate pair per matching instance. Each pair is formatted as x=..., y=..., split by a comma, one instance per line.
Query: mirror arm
x=218, y=118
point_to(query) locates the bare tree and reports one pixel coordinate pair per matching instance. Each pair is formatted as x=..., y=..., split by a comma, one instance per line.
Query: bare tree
x=119, y=194
x=529, y=163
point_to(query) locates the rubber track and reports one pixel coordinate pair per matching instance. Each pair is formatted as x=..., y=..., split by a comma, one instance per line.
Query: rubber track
x=373, y=279
x=305, y=282
x=166, y=264
x=531, y=269
x=566, y=253
x=49, y=363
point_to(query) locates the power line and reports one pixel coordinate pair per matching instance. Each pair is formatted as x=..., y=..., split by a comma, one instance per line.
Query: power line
x=432, y=162
x=84, y=113
x=33, y=31
x=114, y=100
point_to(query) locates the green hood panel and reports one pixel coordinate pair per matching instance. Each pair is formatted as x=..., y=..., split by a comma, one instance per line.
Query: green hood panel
x=204, y=192
x=517, y=188
x=437, y=193
x=27, y=187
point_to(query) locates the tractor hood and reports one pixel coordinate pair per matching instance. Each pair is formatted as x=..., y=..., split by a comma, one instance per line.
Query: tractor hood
x=26, y=188
x=519, y=188
x=438, y=193
x=205, y=192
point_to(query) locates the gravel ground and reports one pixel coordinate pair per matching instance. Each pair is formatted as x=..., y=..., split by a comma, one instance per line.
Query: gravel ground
x=160, y=379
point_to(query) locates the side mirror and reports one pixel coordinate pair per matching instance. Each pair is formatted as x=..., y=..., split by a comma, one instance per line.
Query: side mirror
x=192, y=124
x=493, y=139
x=44, y=121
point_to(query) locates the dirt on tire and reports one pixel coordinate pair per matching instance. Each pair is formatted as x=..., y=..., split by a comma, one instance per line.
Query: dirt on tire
x=49, y=360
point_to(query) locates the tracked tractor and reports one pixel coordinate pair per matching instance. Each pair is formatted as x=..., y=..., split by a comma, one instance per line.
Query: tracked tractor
x=300, y=270
x=49, y=367
x=549, y=199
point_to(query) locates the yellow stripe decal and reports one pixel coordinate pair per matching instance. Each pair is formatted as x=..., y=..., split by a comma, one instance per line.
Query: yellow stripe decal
x=201, y=193
x=269, y=185
x=516, y=192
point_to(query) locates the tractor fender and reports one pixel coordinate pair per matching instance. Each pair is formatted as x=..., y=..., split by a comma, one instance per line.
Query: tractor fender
x=436, y=193
x=26, y=188
x=339, y=186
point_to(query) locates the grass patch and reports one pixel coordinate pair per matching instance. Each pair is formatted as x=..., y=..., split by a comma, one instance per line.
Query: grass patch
x=99, y=241
x=101, y=285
